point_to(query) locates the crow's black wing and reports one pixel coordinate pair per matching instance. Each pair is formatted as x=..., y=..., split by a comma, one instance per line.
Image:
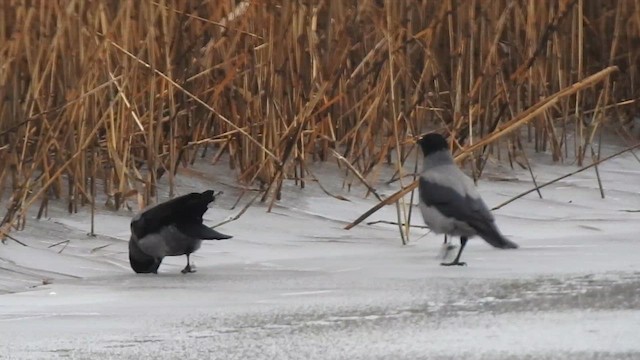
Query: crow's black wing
x=464, y=207
x=200, y=231
x=188, y=208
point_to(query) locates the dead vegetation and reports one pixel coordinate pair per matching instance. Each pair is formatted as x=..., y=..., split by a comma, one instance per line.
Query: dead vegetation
x=109, y=96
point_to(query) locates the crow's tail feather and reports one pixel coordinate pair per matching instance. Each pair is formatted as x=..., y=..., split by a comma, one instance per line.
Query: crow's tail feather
x=201, y=231
x=493, y=236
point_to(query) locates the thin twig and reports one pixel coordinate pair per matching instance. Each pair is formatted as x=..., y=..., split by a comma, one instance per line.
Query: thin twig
x=16, y=240
x=600, y=186
x=99, y=248
x=357, y=174
x=526, y=159
x=239, y=214
x=64, y=247
x=501, y=131
x=58, y=243
x=396, y=223
x=339, y=197
x=566, y=176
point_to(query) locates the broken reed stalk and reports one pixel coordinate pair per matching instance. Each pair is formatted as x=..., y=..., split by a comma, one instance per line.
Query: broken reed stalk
x=501, y=131
x=270, y=86
x=240, y=213
x=597, y=157
x=528, y=165
x=596, y=163
x=537, y=109
x=314, y=178
x=395, y=223
x=357, y=174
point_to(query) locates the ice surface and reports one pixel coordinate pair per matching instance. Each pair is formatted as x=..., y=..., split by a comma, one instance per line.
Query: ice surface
x=294, y=284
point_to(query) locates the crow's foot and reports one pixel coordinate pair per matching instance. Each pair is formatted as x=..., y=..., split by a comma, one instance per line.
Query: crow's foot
x=453, y=263
x=188, y=269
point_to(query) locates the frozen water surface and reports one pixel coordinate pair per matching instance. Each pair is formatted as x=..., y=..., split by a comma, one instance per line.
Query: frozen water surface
x=292, y=284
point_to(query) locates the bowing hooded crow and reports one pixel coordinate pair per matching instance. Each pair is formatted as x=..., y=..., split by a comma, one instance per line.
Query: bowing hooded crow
x=171, y=228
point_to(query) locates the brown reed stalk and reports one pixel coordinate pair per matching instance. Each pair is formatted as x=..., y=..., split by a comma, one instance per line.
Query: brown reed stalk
x=124, y=93
x=505, y=129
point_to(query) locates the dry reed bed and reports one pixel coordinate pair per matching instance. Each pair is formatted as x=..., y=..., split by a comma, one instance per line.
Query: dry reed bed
x=121, y=93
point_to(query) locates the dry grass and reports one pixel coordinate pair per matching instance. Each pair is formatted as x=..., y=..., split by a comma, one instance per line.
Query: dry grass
x=121, y=93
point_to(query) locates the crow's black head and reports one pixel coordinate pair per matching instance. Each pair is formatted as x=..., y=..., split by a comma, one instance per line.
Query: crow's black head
x=209, y=196
x=432, y=143
x=140, y=262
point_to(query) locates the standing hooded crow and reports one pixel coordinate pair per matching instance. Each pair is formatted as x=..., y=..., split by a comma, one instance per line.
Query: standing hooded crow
x=449, y=201
x=171, y=228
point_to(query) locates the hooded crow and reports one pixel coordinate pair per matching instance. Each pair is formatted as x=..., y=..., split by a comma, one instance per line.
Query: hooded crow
x=449, y=201
x=171, y=228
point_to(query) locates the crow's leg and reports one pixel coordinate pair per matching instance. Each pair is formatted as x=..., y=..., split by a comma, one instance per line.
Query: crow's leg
x=188, y=269
x=456, y=261
x=446, y=248
x=156, y=265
